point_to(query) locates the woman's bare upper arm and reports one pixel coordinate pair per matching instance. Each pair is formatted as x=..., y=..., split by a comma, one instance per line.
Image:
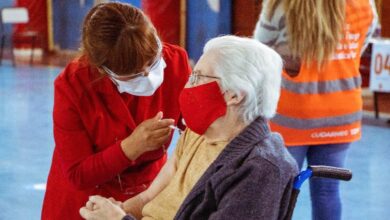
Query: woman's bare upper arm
x=162, y=180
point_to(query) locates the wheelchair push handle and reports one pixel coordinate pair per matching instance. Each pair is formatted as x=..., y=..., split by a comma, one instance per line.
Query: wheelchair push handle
x=314, y=171
x=331, y=172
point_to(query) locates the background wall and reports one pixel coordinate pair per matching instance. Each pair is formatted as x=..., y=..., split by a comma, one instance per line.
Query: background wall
x=245, y=15
x=165, y=16
x=385, y=18
x=205, y=20
x=38, y=20
x=7, y=3
x=67, y=20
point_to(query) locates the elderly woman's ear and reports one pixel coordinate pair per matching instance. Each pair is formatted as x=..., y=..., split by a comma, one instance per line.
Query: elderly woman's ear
x=233, y=98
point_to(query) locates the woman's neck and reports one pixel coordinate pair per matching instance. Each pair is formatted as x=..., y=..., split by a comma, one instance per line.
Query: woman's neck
x=224, y=129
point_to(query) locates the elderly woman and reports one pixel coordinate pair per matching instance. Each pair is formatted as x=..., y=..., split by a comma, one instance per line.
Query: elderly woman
x=227, y=164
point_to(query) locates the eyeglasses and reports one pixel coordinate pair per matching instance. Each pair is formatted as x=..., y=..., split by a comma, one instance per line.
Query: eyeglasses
x=154, y=65
x=194, y=77
x=133, y=76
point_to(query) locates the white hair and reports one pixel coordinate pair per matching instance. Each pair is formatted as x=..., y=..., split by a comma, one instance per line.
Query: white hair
x=251, y=68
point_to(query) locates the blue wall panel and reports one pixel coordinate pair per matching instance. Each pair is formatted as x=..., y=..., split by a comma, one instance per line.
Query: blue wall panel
x=68, y=17
x=136, y=3
x=7, y=3
x=7, y=28
x=206, y=20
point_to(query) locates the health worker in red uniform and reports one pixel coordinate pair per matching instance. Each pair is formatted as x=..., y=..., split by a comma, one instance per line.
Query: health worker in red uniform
x=114, y=110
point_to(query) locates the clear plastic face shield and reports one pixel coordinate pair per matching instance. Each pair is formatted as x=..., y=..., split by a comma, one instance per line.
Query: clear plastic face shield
x=144, y=83
x=146, y=72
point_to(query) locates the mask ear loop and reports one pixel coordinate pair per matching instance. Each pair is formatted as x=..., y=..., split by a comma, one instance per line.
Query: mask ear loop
x=156, y=61
x=159, y=45
x=109, y=72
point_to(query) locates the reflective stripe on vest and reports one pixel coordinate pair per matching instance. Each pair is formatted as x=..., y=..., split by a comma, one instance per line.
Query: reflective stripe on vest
x=322, y=87
x=303, y=124
x=324, y=107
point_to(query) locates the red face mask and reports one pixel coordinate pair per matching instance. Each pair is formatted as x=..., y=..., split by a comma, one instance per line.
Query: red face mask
x=201, y=106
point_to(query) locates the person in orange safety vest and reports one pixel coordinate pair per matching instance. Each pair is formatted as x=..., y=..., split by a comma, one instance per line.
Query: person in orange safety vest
x=320, y=109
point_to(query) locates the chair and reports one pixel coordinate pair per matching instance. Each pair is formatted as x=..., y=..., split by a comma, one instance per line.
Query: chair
x=16, y=15
x=315, y=171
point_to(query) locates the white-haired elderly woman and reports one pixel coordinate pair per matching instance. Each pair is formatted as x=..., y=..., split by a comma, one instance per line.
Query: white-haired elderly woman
x=227, y=164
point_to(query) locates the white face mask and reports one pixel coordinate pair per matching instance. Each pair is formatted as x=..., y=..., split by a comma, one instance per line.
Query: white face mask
x=141, y=85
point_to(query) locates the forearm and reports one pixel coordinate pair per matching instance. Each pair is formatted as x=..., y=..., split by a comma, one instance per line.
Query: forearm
x=371, y=29
x=96, y=168
x=269, y=27
x=132, y=153
x=135, y=205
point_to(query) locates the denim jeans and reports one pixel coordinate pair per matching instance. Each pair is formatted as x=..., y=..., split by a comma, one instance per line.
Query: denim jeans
x=324, y=193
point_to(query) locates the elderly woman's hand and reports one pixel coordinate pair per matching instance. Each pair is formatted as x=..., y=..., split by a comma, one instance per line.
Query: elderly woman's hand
x=100, y=208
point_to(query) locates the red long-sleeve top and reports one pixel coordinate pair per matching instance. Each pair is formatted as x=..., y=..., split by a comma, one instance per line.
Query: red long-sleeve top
x=90, y=119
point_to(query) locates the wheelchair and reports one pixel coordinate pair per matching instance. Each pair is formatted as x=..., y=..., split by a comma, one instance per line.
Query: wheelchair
x=315, y=171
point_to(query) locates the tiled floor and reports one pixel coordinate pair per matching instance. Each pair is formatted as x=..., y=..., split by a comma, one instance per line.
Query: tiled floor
x=26, y=145
x=26, y=140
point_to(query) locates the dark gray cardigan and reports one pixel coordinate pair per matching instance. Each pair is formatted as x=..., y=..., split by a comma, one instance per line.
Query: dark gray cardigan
x=251, y=179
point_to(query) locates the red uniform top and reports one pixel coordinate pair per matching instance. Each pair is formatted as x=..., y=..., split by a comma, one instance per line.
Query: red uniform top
x=90, y=120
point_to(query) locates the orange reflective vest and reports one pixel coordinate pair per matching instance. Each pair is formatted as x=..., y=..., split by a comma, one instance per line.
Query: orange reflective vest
x=325, y=107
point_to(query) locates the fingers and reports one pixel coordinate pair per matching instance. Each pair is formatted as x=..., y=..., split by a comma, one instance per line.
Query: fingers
x=114, y=201
x=157, y=122
x=98, y=200
x=163, y=123
x=158, y=116
x=161, y=132
x=162, y=140
x=85, y=213
x=103, y=208
x=90, y=205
